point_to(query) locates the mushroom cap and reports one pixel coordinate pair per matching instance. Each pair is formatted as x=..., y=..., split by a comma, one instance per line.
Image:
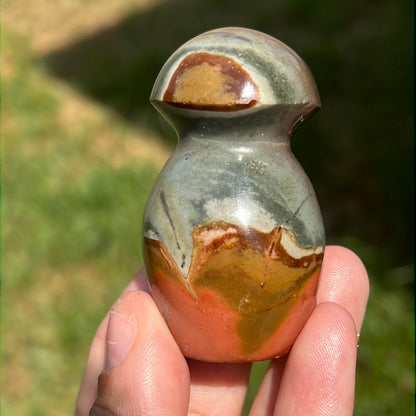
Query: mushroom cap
x=232, y=69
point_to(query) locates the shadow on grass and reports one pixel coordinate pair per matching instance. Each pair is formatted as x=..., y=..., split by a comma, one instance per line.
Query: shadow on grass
x=357, y=150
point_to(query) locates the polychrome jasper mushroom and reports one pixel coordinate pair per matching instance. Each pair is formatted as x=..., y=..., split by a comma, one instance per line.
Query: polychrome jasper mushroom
x=233, y=234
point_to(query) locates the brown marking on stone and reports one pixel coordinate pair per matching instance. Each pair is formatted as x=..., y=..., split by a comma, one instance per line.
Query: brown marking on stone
x=205, y=81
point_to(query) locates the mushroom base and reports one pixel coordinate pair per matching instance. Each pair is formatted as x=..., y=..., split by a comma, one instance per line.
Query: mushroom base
x=245, y=298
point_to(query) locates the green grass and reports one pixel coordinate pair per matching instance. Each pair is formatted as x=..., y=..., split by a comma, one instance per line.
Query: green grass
x=71, y=241
x=385, y=380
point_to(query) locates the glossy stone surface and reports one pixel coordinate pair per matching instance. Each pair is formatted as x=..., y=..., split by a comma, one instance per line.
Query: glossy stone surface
x=233, y=234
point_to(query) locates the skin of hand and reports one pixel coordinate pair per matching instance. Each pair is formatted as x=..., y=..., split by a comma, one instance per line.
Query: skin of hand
x=135, y=367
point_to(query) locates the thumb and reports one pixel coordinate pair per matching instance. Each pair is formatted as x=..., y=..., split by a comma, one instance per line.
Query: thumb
x=145, y=372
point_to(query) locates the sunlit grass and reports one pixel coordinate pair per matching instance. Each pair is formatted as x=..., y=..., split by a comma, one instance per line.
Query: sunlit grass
x=71, y=237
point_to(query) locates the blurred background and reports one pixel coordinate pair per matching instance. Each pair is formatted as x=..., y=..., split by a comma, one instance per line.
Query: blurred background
x=82, y=146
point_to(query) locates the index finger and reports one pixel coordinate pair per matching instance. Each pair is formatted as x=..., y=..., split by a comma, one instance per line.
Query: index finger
x=345, y=282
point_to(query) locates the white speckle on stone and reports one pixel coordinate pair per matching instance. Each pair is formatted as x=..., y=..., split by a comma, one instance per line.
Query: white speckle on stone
x=291, y=246
x=152, y=235
x=209, y=236
x=236, y=212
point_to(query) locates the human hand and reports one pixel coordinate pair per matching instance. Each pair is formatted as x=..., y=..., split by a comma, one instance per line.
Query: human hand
x=135, y=367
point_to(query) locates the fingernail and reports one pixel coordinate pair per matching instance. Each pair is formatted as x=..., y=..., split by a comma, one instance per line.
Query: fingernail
x=99, y=411
x=120, y=337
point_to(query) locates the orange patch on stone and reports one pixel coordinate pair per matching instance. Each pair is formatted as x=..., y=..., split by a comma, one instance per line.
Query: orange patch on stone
x=244, y=298
x=211, y=82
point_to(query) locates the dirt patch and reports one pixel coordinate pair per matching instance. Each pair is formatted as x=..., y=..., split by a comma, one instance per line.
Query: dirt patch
x=43, y=26
x=50, y=25
x=112, y=139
